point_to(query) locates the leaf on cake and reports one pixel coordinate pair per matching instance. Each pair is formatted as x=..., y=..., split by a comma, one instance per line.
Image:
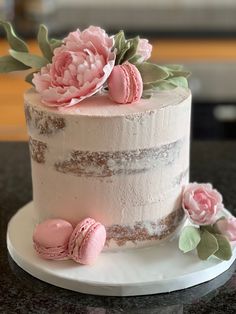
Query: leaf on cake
x=9, y=64
x=179, y=81
x=44, y=43
x=189, y=239
x=55, y=43
x=29, y=59
x=29, y=77
x=207, y=246
x=176, y=71
x=159, y=86
x=15, y=42
x=224, y=251
x=151, y=73
x=130, y=53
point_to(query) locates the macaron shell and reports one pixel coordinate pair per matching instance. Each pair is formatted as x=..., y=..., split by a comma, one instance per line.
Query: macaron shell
x=52, y=233
x=118, y=85
x=125, y=84
x=92, y=244
x=78, y=235
x=51, y=238
x=59, y=253
x=136, y=83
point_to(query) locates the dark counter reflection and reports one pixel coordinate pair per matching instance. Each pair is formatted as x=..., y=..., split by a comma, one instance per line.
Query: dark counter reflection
x=64, y=301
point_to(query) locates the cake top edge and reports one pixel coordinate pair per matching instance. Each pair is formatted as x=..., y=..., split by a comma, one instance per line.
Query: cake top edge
x=102, y=106
x=90, y=62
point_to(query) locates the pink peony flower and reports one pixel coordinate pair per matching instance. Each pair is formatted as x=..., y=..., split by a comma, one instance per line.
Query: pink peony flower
x=79, y=68
x=144, y=50
x=227, y=227
x=201, y=203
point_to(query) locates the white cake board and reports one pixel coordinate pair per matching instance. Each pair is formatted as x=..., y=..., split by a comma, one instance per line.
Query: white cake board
x=143, y=271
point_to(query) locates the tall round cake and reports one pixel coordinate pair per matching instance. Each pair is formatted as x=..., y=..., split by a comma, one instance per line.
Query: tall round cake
x=124, y=165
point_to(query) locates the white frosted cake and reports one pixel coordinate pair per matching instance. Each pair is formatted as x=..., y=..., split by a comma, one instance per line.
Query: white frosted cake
x=123, y=165
x=109, y=135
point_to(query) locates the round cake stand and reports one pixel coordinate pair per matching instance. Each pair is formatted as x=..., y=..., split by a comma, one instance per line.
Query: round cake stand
x=142, y=271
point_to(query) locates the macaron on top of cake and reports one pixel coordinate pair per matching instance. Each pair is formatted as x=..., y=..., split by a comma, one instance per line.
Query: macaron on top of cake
x=51, y=238
x=125, y=84
x=87, y=241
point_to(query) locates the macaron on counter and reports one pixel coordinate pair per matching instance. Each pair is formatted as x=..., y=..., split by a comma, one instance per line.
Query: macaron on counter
x=51, y=238
x=87, y=241
x=56, y=239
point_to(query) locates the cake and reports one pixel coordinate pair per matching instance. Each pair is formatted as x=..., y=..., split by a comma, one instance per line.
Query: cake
x=109, y=135
x=123, y=165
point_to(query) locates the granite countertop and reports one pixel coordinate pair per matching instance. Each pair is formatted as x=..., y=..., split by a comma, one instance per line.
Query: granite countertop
x=21, y=293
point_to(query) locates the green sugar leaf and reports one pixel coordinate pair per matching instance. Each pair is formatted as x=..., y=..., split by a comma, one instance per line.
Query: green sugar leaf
x=224, y=252
x=55, y=43
x=174, y=67
x=29, y=77
x=28, y=59
x=120, y=56
x=15, y=42
x=207, y=246
x=209, y=228
x=178, y=81
x=159, y=86
x=43, y=42
x=185, y=74
x=9, y=64
x=120, y=41
x=132, y=50
x=189, y=239
x=175, y=71
x=151, y=72
x=135, y=59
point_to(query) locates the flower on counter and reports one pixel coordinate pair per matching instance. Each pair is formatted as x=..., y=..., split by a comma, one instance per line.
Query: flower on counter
x=227, y=227
x=201, y=203
x=79, y=68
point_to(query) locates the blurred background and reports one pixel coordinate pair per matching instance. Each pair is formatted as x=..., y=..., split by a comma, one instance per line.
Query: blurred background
x=199, y=34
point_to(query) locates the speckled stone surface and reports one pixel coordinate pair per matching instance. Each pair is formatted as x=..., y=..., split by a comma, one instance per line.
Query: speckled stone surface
x=21, y=293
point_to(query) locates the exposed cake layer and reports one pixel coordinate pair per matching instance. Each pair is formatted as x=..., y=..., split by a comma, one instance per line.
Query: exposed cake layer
x=123, y=165
x=144, y=231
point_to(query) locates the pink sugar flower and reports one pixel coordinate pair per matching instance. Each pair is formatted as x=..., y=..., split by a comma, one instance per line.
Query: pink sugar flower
x=144, y=50
x=79, y=68
x=201, y=203
x=227, y=227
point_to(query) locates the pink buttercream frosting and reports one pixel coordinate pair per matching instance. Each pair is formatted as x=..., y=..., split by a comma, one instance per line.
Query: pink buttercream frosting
x=227, y=227
x=201, y=203
x=79, y=68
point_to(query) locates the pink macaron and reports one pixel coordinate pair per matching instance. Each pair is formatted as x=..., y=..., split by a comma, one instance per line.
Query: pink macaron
x=51, y=238
x=125, y=84
x=87, y=241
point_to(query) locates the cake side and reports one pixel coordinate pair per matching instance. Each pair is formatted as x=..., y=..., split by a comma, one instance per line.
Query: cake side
x=125, y=169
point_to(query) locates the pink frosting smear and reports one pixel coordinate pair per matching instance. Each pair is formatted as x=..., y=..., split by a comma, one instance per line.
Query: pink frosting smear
x=87, y=241
x=51, y=238
x=78, y=70
x=125, y=84
x=201, y=203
